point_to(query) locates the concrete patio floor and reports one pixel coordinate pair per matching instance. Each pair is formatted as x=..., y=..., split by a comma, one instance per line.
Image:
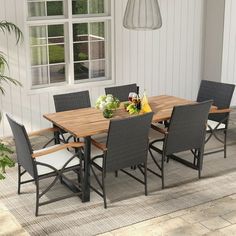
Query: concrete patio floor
x=214, y=218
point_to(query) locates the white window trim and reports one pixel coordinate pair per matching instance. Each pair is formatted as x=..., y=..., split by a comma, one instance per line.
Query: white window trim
x=70, y=83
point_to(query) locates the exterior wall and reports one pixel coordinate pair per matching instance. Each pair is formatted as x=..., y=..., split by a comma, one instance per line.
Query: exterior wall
x=229, y=46
x=166, y=61
x=214, y=31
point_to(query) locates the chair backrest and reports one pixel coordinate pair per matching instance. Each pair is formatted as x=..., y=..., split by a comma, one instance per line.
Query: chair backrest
x=127, y=142
x=122, y=92
x=220, y=93
x=23, y=146
x=71, y=101
x=187, y=127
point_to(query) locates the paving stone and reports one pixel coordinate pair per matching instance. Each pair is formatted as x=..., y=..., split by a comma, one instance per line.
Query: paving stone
x=10, y=226
x=229, y=231
x=189, y=230
x=231, y=217
x=151, y=222
x=215, y=223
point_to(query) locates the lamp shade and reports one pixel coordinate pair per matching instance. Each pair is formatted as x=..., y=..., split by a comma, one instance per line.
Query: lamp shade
x=142, y=15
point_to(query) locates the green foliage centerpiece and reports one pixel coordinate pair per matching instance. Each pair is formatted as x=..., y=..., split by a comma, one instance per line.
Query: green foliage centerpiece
x=108, y=104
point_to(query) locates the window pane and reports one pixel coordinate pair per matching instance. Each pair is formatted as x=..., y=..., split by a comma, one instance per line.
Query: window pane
x=56, y=53
x=81, y=52
x=97, y=31
x=80, y=32
x=79, y=7
x=97, y=69
x=97, y=50
x=81, y=70
x=38, y=35
x=54, y=8
x=39, y=55
x=36, y=9
x=55, y=33
x=96, y=6
x=39, y=75
x=57, y=73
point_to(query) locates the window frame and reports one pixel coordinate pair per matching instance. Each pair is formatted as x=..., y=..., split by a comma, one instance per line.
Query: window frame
x=68, y=20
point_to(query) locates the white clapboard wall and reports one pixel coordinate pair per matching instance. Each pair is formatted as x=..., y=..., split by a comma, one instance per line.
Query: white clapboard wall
x=229, y=46
x=166, y=61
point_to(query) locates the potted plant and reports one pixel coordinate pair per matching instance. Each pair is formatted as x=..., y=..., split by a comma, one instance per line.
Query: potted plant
x=5, y=160
x=6, y=27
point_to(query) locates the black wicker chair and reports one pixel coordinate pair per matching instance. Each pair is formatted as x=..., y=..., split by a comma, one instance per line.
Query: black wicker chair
x=71, y=101
x=122, y=92
x=221, y=94
x=49, y=162
x=186, y=131
x=126, y=146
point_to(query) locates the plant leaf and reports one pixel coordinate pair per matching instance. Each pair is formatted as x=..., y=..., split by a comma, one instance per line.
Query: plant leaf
x=6, y=26
x=2, y=176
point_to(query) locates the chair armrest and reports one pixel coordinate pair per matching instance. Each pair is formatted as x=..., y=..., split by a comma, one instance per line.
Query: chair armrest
x=57, y=148
x=163, y=131
x=98, y=145
x=39, y=132
x=227, y=110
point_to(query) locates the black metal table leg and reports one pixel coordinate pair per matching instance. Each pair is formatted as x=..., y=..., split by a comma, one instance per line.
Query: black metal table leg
x=57, y=137
x=86, y=177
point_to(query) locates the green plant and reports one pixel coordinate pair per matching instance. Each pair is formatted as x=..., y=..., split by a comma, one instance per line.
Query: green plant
x=5, y=160
x=8, y=27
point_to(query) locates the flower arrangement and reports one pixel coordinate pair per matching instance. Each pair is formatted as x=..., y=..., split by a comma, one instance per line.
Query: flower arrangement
x=107, y=103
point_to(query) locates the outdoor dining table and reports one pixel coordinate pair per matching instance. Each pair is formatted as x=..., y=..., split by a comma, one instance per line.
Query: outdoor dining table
x=86, y=122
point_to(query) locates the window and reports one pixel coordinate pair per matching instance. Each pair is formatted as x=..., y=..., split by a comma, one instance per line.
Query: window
x=69, y=47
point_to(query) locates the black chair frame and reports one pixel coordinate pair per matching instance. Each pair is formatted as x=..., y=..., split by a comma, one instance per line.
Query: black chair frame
x=120, y=153
x=66, y=102
x=28, y=162
x=101, y=183
x=58, y=176
x=221, y=94
x=166, y=155
x=214, y=133
x=122, y=91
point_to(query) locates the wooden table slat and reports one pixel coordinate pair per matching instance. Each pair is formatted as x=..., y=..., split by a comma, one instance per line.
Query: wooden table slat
x=90, y=121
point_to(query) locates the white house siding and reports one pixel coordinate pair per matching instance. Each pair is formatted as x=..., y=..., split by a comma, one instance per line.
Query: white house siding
x=229, y=45
x=166, y=61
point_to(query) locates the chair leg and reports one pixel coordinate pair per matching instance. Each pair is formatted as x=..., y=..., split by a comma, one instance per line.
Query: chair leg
x=19, y=178
x=116, y=173
x=162, y=170
x=37, y=198
x=61, y=180
x=145, y=179
x=200, y=162
x=104, y=190
x=225, y=146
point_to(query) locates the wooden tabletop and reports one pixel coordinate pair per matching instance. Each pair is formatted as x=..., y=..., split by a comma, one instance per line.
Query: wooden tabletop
x=90, y=121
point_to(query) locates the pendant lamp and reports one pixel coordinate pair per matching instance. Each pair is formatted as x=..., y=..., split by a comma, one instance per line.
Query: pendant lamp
x=142, y=15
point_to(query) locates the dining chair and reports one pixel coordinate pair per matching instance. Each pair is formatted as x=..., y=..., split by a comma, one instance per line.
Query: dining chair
x=122, y=92
x=70, y=101
x=126, y=146
x=49, y=162
x=221, y=94
x=186, y=132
